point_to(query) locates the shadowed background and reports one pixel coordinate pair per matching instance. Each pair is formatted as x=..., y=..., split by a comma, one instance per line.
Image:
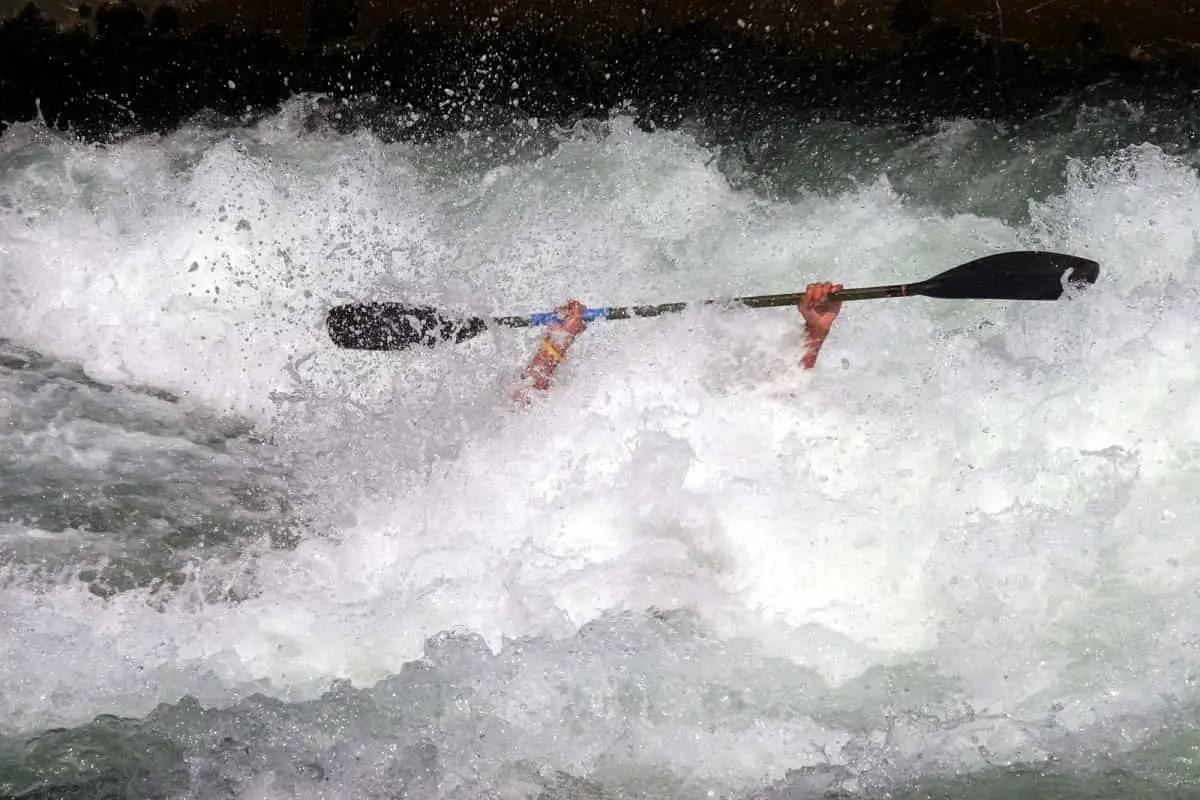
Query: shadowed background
x=141, y=65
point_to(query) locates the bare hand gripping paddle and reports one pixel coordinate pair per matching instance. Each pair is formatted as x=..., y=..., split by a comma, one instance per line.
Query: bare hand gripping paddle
x=1021, y=275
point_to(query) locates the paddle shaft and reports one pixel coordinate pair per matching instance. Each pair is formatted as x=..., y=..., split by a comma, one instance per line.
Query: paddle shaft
x=1022, y=275
x=757, y=301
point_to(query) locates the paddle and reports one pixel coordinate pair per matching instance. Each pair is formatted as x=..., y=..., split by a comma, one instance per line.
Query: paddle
x=1023, y=275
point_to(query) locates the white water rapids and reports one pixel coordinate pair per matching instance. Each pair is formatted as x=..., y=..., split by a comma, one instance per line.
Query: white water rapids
x=981, y=511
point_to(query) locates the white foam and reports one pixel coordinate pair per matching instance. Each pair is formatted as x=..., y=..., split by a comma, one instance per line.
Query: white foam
x=1009, y=502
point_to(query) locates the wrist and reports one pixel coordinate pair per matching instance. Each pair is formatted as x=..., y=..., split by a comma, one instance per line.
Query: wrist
x=563, y=335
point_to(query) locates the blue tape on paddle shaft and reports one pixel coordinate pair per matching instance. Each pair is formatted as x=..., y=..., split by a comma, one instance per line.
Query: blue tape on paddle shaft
x=546, y=317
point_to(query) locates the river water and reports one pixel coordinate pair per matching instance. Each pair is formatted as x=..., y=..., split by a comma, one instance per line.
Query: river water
x=957, y=559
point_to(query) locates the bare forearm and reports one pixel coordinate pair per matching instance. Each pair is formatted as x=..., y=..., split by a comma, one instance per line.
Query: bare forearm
x=552, y=349
x=813, y=339
x=550, y=353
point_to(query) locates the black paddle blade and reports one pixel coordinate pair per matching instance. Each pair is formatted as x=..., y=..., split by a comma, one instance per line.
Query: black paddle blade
x=393, y=326
x=1021, y=275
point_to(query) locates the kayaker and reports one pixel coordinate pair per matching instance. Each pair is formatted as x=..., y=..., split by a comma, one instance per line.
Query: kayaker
x=815, y=307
